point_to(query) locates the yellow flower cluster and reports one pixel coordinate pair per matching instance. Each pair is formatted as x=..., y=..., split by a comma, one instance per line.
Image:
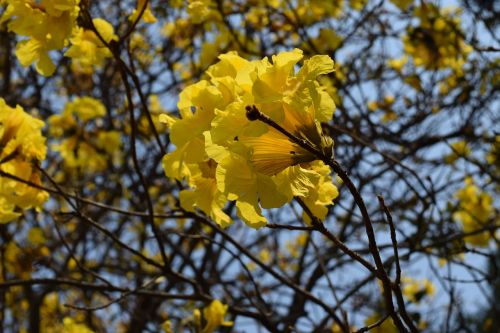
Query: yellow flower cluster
x=69, y=325
x=438, y=42
x=84, y=147
x=21, y=145
x=47, y=24
x=386, y=327
x=459, y=149
x=386, y=106
x=51, y=25
x=309, y=12
x=223, y=155
x=474, y=211
x=415, y=290
x=214, y=315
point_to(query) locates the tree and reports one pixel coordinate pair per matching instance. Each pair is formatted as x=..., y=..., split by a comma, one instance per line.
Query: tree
x=241, y=166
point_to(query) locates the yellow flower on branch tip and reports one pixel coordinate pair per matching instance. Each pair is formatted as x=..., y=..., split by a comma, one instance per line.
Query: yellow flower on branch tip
x=475, y=208
x=147, y=15
x=214, y=316
x=256, y=165
x=87, y=49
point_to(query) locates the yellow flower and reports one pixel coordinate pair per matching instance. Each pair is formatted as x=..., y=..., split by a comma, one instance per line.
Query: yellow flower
x=358, y=4
x=36, y=237
x=403, y=4
x=198, y=11
x=69, y=325
x=167, y=327
x=493, y=156
x=398, y=64
x=85, y=108
x=20, y=133
x=317, y=201
x=87, y=49
x=205, y=195
x=21, y=144
x=311, y=11
x=459, y=149
x=327, y=39
x=81, y=148
x=214, y=316
x=7, y=211
x=80, y=155
x=474, y=211
x=438, y=41
x=255, y=165
x=147, y=15
x=386, y=327
x=47, y=24
x=416, y=290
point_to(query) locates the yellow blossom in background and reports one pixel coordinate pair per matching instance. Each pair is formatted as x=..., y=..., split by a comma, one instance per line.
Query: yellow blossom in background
x=313, y=10
x=357, y=4
x=214, y=315
x=47, y=24
x=403, y=4
x=475, y=208
x=493, y=156
x=167, y=327
x=327, y=39
x=319, y=200
x=147, y=14
x=387, y=325
x=265, y=256
x=413, y=81
x=197, y=11
x=83, y=148
x=295, y=247
x=35, y=236
x=142, y=49
x=386, y=106
x=87, y=49
x=415, y=290
x=69, y=325
x=22, y=144
x=459, y=149
x=85, y=108
x=398, y=64
x=438, y=40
